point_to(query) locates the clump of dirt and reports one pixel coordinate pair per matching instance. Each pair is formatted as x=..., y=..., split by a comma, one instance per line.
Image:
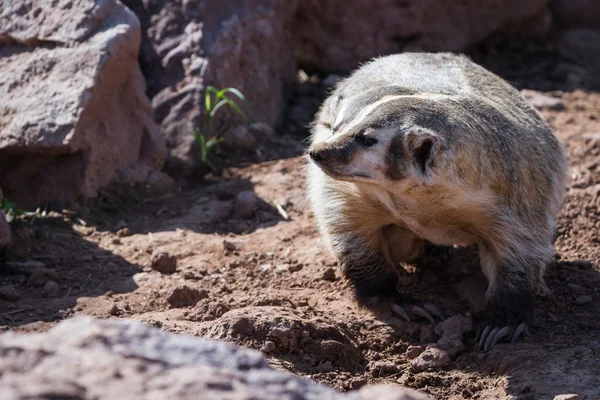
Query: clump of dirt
x=251, y=267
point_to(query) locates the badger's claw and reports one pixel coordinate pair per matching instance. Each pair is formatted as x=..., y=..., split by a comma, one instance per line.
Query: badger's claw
x=424, y=310
x=491, y=336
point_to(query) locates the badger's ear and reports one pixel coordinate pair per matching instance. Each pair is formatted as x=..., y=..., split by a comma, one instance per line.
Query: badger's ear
x=334, y=105
x=423, y=145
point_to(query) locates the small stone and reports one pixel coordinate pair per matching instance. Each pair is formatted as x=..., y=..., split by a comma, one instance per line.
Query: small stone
x=229, y=246
x=268, y=346
x=245, y=203
x=41, y=276
x=452, y=344
x=240, y=137
x=414, y=351
x=124, y=232
x=116, y=240
x=566, y=397
x=163, y=262
x=433, y=357
x=185, y=296
x=328, y=274
x=265, y=267
x=51, y=289
x=9, y=292
x=114, y=310
x=583, y=299
x=456, y=324
x=325, y=367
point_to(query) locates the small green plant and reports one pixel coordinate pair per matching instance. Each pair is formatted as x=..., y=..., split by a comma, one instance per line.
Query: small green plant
x=215, y=99
x=9, y=207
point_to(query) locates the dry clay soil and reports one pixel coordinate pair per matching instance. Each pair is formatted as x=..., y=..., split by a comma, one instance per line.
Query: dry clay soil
x=251, y=276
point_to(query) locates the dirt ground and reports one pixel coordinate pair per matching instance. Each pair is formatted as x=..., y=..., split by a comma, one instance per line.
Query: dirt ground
x=246, y=273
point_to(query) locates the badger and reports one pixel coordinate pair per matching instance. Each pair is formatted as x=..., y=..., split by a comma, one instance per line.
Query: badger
x=420, y=149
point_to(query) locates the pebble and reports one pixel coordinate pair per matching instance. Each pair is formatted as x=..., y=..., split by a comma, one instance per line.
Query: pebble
x=124, y=232
x=9, y=292
x=164, y=262
x=229, y=246
x=325, y=367
x=328, y=274
x=245, y=203
x=583, y=299
x=433, y=357
x=184, y=296
x=414, y=351
x=40, y=276
x=51, y=289
x=268, y=346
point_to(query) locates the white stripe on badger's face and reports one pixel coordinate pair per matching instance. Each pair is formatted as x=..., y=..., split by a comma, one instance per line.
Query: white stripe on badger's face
x=362, y=115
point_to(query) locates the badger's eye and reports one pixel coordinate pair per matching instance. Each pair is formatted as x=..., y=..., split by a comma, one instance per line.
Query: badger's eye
x=366, y=141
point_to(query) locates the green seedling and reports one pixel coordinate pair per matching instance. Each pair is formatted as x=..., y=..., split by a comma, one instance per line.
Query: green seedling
x=214, y=100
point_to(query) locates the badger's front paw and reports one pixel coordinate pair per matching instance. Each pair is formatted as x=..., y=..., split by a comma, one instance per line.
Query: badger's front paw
x=507, y=321
x=400, y=306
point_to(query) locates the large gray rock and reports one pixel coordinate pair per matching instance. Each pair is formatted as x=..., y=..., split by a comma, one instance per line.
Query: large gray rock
x=245, y=44
x=336, y=35
x=84, y=358
x=74, y=109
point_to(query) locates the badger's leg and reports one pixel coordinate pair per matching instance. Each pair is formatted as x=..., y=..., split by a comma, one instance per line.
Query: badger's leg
x=371, y=271
x=512, y=284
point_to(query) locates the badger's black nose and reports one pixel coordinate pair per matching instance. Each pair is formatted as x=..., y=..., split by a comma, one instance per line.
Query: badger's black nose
x=316, y=156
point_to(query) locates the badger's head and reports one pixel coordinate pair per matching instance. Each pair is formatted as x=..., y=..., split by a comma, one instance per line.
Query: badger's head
x=379, y=136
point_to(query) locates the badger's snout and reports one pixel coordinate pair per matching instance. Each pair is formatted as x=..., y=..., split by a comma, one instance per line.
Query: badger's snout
x=331, y=154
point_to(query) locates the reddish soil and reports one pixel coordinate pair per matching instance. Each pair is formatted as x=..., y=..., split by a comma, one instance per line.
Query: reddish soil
x=251, y=276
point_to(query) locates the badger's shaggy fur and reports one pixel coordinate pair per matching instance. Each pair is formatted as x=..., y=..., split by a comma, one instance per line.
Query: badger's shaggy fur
x=417, y=148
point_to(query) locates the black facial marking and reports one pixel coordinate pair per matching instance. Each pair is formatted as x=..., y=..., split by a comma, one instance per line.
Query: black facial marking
x=395, y=159
x=364, y=140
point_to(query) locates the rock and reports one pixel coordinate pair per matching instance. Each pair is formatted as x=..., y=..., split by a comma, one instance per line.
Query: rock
x=9, y=292
x=123, y=359
x=73, y=109
x=268, y=346
x=184, y=296
x=542, y=101
x=207, y=310
x=433, y=357
x=123, y=232
x=452, y=344
x=51, y=289
x=330, y=40
x=163, y=262
x=583, y=299
x=41, y=276
x=245, y=204
x=239, y=44
x=414, y=351
x=454, y=325
x=566, y=397
x=240, y=138
x=328, y=274
x=291, y=331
